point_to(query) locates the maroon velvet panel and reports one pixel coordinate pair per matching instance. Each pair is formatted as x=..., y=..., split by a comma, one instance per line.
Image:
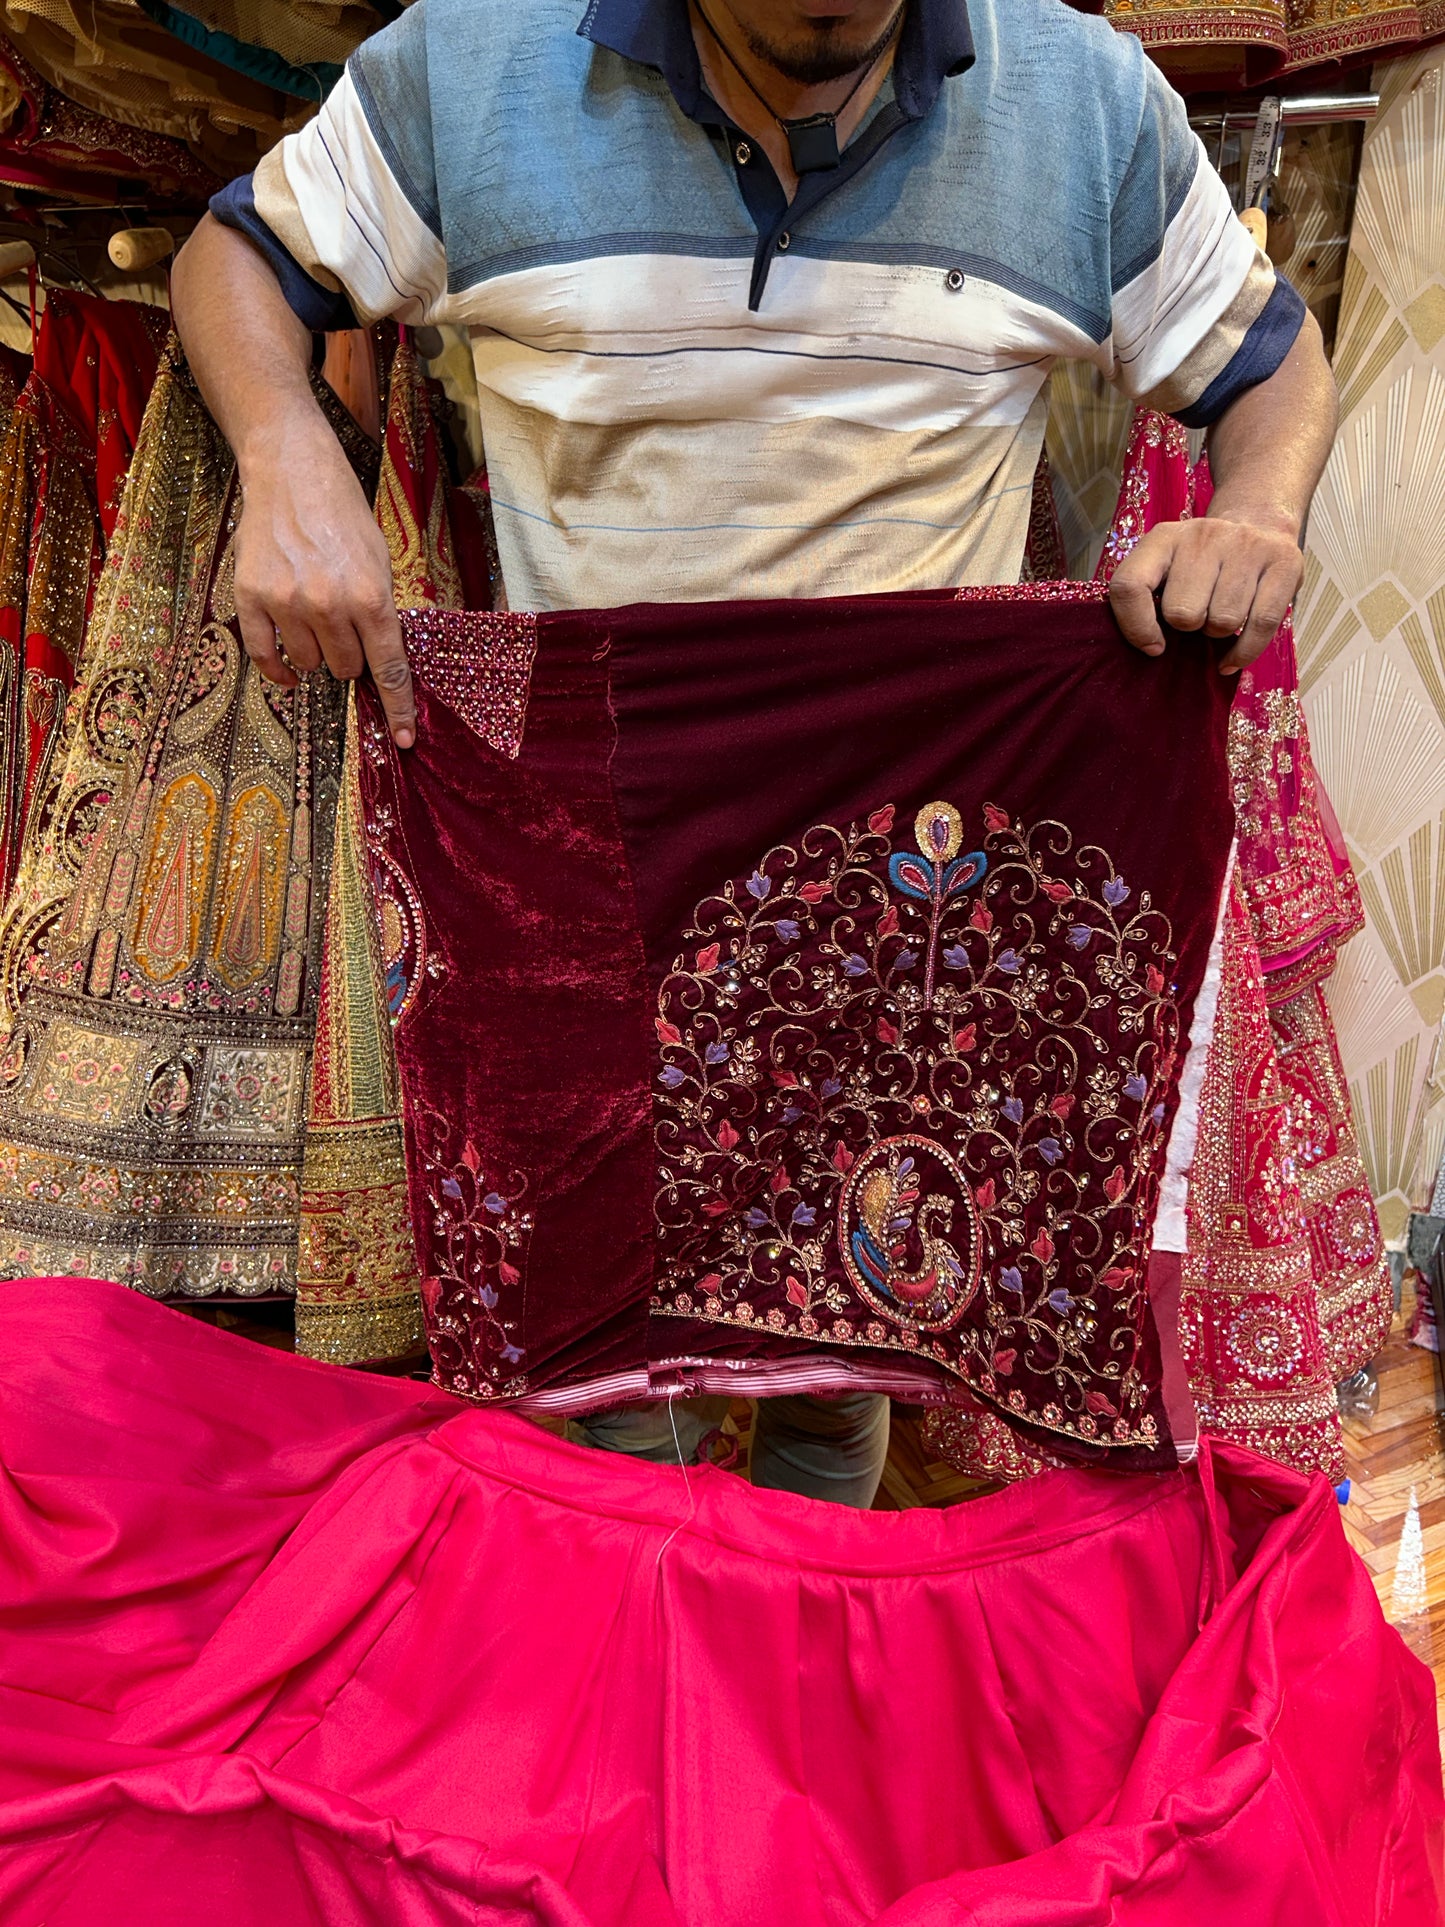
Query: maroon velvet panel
x=786, y=983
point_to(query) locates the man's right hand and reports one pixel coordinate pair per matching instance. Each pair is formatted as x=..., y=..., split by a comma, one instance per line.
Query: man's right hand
x=313, y=574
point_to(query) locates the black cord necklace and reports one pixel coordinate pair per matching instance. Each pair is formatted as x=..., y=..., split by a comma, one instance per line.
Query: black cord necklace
x=812, y=141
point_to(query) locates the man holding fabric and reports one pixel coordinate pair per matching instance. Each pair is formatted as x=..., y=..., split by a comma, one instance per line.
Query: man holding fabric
x=763, y=296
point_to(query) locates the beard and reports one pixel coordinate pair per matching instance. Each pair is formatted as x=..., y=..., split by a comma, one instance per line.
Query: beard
x=820, y=51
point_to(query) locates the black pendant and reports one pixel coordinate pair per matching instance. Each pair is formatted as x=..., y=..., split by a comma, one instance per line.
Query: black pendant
x=813, y=143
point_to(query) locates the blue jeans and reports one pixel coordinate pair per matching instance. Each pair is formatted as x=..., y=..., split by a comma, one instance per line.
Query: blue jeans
x=822, y=1448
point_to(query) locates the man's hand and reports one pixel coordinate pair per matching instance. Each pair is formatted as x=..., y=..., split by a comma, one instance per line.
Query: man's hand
x=1235, y=571
x=1226, y=577
x=313, y=575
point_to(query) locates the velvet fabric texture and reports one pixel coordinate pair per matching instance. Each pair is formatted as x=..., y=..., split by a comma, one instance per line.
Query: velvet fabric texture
x=283, y=1643
x=794, y=995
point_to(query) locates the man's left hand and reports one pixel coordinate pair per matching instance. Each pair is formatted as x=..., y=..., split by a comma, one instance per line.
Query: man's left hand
x=1226, y=577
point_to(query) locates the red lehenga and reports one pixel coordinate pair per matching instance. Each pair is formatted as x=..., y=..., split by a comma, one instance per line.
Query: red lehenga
x=1281, y=1286
x=63, y=462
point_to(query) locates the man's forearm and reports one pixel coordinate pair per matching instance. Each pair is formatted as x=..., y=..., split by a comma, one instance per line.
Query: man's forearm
x=249, y=353
x=1268, y=450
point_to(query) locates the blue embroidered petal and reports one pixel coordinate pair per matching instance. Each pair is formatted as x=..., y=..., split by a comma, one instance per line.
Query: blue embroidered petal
x=1011, y=1279
x=488, y=1297
x=1010, y=961
x=1079, y=935
x=671, y=1076
x=830, y=1087
x=1157, y=1114
x=756, y=1218
x=1060, y=1300
x=854, y=965
x=716, y=1053
x=511, y=1354
x=759, y=885
x=791, y=1114
x=956, y=957
x=1115, y=891
x=1050, y=1150
x=804, y=1214
x=450, y=1188
x=495, y=1203
x=1013, y=1110
x=1136, y=1088
x=787, y=929
x=905, y=960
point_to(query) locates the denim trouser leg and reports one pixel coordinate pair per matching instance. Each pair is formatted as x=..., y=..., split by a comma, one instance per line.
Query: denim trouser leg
x=823, y=1448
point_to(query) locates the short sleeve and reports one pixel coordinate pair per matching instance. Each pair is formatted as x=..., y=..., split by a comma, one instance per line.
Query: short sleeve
x=1199, y=314
x=346, y=209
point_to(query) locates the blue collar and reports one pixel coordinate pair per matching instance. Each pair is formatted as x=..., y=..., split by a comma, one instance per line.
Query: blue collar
x=935, y=43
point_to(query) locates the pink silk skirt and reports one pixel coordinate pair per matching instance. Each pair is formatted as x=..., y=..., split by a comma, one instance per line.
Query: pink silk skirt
x=281, y=1644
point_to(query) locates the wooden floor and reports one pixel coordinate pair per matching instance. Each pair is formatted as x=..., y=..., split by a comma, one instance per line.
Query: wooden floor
x=1394, y=1517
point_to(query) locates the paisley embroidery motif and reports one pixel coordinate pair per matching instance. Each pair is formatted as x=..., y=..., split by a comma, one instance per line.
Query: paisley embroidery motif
x=913, y=1098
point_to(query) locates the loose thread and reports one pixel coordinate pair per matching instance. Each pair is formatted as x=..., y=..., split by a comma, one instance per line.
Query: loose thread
x=682, y=1467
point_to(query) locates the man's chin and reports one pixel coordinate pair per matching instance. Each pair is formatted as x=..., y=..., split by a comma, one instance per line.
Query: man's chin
x=827, y=48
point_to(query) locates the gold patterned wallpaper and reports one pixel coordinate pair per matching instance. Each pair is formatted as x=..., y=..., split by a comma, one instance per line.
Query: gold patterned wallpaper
x=1371, y=630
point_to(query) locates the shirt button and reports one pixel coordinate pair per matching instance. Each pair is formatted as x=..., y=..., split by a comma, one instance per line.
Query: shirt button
x=785, y=241
x=742, y=153
x=953, y=280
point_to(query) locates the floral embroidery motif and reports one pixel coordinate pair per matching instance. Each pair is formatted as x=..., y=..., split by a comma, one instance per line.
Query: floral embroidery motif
x=914, y=1098
x=479, y=1232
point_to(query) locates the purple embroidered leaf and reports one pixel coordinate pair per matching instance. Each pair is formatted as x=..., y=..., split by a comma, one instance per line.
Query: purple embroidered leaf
x=1060, y=1301
x=488, y=1297
x=1079, y=934
x=716, y=1053
x=756, y=1218
x=759, y=885
x=956, y=957
x=1050, y=1150
x=830, y=1087
x=1156, y=1116
x=854, y=965
x=791, y=1114
x=511, y=1355
x=1013, y=1110
x=1010, y=961
x=1135, y=1087
x=671, y=1076
x=495, y=1203
x=905, y=960
x=787, y=929
x=450, y=1188
x=1011, y=1279
x=804, y=1214
x=1115, y=891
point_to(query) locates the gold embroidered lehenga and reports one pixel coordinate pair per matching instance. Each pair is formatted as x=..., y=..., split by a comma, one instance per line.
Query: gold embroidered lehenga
x=181, y=938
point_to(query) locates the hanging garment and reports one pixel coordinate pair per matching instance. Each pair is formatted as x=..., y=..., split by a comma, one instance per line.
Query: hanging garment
x=53, y=144
x=152, y=1095
x=296, y=46
x=279, y=1644
x=108, y=57
x=70, y=438
x=1232, y=43
x=165, y=533
x=754, y=1033
x=356, y=1281
x=1282, y=1289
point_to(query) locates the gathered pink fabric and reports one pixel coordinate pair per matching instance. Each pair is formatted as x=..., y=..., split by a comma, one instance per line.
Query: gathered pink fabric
x=281, y=1644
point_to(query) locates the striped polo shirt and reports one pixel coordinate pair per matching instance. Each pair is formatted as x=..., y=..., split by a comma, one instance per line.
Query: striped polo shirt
x=692, y=390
